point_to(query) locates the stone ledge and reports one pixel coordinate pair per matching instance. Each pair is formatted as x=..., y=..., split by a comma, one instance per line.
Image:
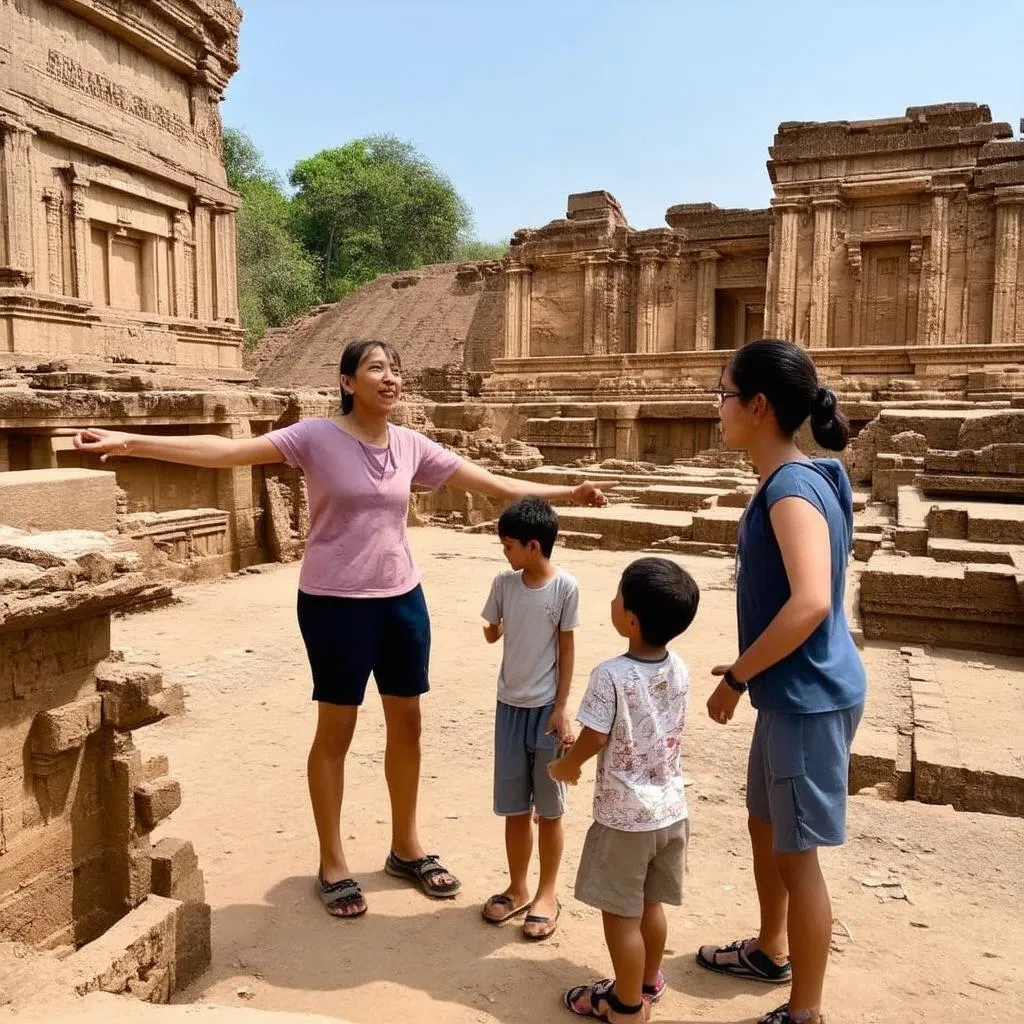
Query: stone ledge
x=155, y=801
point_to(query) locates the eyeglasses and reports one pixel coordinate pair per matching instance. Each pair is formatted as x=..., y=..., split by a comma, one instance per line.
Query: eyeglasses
x=721, y=395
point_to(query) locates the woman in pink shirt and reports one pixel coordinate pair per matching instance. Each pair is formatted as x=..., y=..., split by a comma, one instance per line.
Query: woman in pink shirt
x=360, y=605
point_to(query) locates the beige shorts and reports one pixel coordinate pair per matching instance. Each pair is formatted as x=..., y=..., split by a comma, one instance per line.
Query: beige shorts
x=620, y=871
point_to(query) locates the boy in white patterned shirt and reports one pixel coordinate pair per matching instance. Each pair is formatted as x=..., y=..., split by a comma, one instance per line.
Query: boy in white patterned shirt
x=632, y=716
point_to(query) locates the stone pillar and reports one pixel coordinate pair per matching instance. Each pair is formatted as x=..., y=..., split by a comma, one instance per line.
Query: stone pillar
x=1007, y=318
x=225, y=291
x=627, y=437
x=517, y=311
x=204, y=260
x=16, y=251
x=938, y=266
x=53, y=198
x=616, y=337
x=80, y=239
x=772, y=283
x=821, y=270
x=595, y=320
x=183, y=262
x=707, y=281
x=5, y=454
x=647, y=302
x=788, y=237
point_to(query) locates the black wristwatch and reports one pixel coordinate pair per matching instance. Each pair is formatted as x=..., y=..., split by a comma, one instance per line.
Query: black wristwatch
x=733, y=683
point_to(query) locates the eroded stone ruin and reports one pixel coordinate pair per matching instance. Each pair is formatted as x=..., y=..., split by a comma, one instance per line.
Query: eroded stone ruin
x=891, y=249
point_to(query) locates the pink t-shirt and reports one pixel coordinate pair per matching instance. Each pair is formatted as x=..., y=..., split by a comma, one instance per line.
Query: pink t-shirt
x=358, y=505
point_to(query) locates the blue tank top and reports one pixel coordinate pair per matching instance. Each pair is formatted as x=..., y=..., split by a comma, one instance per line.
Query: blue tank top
x=825, y=673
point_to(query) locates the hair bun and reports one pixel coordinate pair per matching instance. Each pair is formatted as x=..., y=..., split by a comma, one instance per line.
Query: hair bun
x=825, y=404
x=828, y=425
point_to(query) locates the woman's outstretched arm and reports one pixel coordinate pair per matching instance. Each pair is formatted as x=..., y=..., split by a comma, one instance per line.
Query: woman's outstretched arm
x=478, y=480
x=206, y=450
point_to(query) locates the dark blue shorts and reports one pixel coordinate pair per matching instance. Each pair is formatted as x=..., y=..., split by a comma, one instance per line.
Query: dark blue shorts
x=347, y=638
x=798, y=776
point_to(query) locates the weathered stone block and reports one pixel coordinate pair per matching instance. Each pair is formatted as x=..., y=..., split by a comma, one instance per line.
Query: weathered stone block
x=64, y=728
x=174, y=860
x=192, y=943
x=155, y=801
x=58, y=499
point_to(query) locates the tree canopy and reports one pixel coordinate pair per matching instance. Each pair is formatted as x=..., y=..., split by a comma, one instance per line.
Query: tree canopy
x=277, y=277
x=370, y=207
x=373, y=206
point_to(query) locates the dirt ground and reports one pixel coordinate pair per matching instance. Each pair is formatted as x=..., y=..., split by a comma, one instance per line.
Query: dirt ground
x=929, y=899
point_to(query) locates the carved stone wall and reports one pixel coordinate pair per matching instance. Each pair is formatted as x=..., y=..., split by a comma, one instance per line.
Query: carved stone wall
x=898, y=234
x=117, y=234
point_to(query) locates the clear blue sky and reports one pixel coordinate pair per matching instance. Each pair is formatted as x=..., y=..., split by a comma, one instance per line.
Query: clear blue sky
x=521, y=102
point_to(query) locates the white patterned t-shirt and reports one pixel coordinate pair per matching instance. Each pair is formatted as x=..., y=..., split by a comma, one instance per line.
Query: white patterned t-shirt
x=641, y=707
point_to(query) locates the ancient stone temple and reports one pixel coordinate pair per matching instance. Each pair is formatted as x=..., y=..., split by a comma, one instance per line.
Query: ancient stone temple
x=118, y=289
x=117, y=230
x=891, y=247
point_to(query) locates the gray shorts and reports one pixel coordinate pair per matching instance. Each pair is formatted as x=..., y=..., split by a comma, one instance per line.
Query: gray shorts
x=522, y=752
x=798, y=776
x=620, y=871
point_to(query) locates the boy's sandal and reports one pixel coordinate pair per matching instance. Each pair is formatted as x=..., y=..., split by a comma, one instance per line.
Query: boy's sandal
x=741, y=959
x=780, y=1015
x=652, y=993
x=545, y=926
x=342, y=899
x=598, y=992
x=425, y=872
x=502, y=903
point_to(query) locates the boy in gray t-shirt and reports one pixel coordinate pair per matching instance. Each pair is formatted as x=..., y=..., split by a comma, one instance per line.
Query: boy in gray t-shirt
x=535, y=607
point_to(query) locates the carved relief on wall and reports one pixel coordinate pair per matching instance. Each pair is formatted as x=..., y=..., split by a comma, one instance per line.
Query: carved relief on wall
x=69, y=72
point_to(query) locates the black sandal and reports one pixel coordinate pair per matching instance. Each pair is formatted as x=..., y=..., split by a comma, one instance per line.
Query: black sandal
x=423, y=872
x=740, y=959
x=603, y=990
x=340, y=896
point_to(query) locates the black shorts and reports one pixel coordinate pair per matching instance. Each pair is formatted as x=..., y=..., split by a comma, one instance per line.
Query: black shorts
x=347, y=638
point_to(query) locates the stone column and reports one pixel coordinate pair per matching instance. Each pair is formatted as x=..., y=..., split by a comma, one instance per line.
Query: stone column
x=16, y=250
x=1007, y=321
x=772, y=283
x=647, y=302
x=204, y=259
x=616, y=337
x=225, y=292
x=707, y=281
x=53, y=198
x=821, y=270
x=595, y=321
x=788, y=237
x=938, y=265
x=80, y=239
x=183, y=261
x=517, y=311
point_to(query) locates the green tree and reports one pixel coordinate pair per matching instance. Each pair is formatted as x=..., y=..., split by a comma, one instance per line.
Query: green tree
x=373, y=206
x=277, y=278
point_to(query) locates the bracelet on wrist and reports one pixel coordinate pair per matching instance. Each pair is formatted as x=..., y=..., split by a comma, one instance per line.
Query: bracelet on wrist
x=733, y=683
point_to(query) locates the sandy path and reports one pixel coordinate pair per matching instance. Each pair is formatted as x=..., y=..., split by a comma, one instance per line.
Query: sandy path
x=953, y=952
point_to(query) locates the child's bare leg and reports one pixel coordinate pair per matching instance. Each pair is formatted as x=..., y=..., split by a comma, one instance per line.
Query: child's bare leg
x=654, y=929
x=550, y=844
x=518, y=849
x=810, y=929
x=626, y=947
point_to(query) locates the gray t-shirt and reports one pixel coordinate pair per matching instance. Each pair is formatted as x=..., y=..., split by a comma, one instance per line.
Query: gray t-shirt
x=532, y=619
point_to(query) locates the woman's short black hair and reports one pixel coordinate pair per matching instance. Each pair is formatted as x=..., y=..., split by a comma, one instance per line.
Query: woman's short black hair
x=354, y=353
x=662, y=595
x=785, y=374
x=529, y=519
